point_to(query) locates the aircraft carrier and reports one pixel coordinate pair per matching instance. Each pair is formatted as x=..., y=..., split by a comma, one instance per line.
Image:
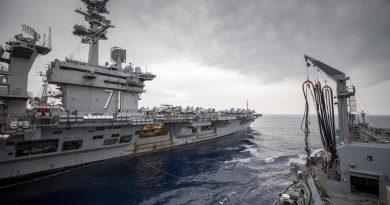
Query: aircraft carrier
x=97, y=115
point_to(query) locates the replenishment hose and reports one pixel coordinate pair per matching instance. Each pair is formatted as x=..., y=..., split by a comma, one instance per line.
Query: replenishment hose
x=323, y=100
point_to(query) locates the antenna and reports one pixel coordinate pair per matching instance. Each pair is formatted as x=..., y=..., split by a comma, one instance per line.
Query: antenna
x=49, y=38
x=98, y=27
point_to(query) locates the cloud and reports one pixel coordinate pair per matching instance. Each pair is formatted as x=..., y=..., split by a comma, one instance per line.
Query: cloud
x=269, y=38
x=260, y=40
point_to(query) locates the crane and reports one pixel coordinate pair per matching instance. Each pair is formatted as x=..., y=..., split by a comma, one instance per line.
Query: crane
x=342, y=93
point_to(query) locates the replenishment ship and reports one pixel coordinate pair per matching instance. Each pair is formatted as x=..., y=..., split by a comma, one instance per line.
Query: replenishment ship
x=353, y=167
x=97, y=115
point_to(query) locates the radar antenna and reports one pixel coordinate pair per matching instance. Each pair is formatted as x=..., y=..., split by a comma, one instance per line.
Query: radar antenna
x=30, y=31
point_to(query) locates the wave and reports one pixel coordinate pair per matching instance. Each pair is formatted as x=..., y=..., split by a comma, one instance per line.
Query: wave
x=253, y=132
x=247, y=142
x=238, y=160
x=252, y=149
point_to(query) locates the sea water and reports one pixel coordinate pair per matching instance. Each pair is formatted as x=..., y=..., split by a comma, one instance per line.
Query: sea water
x=251, y=167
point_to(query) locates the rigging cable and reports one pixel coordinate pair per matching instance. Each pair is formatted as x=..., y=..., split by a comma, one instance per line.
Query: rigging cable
x=157, y=169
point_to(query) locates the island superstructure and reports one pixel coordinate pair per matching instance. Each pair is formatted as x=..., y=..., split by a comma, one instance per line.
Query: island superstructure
x=97, y=117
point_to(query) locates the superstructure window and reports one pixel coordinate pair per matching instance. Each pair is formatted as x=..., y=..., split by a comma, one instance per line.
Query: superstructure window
x=71, y=145
x=56, y=132
x=110, y=141
x=115, y=135
x=26, y=148
x=9, y=143
x=114, y=127
x=96, y=137
x=125, y=138
x=369, y=158
x=100, y=128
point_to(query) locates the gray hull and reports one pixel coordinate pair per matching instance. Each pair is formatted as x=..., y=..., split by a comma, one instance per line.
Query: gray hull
x=177, y=136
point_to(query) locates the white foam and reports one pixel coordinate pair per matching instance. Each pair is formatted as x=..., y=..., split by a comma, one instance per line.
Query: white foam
x=250, y=149
x=223, y=201
x=238, y=160
x=269, y=160
x=316, y=152
x=301, y=159
x=231, y=148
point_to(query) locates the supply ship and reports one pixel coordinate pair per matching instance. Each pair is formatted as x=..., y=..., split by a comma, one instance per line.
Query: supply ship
x=353, y=167
x=97, y=115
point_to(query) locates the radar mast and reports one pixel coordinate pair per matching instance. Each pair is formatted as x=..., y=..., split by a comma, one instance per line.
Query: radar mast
x=98, y=27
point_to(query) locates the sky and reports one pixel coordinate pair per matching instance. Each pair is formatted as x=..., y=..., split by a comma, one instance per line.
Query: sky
x=222, y=53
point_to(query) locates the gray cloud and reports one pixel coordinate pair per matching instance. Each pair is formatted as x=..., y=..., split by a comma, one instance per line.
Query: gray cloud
x=265, y=39
x=268, y=38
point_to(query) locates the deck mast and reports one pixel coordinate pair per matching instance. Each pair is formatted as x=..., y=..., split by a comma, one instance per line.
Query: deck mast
x=98, y=27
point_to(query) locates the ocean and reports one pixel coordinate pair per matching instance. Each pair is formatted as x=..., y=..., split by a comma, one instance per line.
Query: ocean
x=250, y=167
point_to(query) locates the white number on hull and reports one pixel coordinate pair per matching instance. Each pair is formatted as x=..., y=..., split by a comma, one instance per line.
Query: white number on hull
x=119, y=100
x=110, y=97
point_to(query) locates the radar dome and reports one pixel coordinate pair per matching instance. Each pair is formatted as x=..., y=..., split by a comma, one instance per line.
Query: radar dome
x=129, y=68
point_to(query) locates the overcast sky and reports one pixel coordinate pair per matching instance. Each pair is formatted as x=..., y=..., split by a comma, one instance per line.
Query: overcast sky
x=222, y=53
